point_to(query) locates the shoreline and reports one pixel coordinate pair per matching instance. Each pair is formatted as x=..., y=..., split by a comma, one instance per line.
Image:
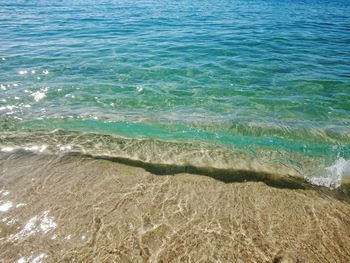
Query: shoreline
x=71, y=208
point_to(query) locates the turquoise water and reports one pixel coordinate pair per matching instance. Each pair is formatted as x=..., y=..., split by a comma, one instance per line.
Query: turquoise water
x=255, y=85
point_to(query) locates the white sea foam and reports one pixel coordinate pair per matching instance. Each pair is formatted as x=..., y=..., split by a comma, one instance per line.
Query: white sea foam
x=333, y=174
x=7, y=149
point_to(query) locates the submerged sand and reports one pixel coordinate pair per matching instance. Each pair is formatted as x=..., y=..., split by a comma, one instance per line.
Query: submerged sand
x=72, y=209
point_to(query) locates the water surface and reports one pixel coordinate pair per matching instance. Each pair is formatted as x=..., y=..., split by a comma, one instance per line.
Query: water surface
x=253, y=85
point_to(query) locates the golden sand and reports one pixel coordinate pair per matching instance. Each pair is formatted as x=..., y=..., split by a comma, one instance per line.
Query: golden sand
x=69, y=209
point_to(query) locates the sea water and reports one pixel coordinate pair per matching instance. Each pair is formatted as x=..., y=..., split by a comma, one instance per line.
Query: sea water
x=245, y=85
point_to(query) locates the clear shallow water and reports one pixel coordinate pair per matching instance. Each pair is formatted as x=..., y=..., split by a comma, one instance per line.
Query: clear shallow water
x=84, y=210
x=255, y=85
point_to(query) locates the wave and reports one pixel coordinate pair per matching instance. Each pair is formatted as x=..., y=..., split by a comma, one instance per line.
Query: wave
x=198, y=157
x=333, y=175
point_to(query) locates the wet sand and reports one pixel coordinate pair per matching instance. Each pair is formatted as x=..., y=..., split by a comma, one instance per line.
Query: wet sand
x=73, y=209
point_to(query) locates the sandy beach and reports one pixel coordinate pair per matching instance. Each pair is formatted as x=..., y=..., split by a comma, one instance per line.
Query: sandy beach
x=175, y=131
x=73, y=209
